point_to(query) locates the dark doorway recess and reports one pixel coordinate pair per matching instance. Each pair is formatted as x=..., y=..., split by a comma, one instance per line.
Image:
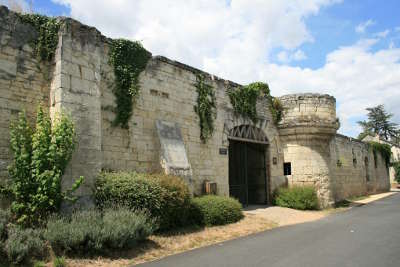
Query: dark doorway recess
x=248, y=172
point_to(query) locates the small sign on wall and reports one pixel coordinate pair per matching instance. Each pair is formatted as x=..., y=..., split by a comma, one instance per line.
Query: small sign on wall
x=274, y=160
x=223, y=151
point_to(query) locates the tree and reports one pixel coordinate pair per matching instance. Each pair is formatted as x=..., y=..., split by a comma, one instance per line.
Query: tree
x=378, y=123
x=40, y=158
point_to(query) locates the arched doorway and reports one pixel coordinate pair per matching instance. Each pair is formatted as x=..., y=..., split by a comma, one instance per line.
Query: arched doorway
x=248, y=147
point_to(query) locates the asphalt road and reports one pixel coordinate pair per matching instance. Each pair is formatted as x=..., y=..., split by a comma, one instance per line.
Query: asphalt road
x=364, y=236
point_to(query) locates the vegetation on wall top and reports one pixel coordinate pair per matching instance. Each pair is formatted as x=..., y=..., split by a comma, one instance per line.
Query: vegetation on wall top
x=383, y=149
x=205, y=108
x=44, y=46
x=244, y=100
x=129, y=59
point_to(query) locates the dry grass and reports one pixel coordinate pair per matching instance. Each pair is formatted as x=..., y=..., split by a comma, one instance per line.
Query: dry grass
x=159, y=246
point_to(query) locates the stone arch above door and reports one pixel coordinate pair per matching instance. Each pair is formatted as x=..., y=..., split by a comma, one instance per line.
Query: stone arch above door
x=248, y=133
x=240, y=128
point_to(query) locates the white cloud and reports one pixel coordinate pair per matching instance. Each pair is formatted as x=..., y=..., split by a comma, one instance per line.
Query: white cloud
x=299, y=55
x=16, y=5
x=355, y=75
x=286, y=57
x=235, y=41
x=283, y=57
x=382, y=34
x=364, y=25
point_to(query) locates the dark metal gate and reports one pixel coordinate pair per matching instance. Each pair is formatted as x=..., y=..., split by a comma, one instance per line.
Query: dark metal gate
x=247, y=172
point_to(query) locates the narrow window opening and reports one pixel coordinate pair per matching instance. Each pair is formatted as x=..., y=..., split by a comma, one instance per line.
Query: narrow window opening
x=287, y=168
x=375, y=160
x=366, y=168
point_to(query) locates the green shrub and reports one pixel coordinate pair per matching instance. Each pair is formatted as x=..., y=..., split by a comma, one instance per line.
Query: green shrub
x=124, y=229
x=4, y=220
x=39, y=264
x=396, y=167
x=40, y=159
x=24, y=244
x=297, y=197
x=93, y=232
x=177, y=201
x=59, y=262
x=79, y=232
x=217, y=210
x=166, y=198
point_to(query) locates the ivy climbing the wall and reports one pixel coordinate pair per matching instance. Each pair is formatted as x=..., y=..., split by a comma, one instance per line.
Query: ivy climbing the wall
x=128, y=59
x=44, y=46
x=205, y=108
x=244, y=100
x=383, y=149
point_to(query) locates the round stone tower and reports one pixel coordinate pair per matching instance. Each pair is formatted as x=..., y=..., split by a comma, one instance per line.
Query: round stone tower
x=307, y=127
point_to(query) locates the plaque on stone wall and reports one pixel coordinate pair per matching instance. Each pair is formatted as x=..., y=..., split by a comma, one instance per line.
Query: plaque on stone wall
x=173, y=157
x=223, y=151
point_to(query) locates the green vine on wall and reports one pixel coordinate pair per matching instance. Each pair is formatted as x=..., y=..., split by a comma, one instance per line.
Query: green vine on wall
x=384, y=149
x=244, y=100
x=128, y=59
x=44, y=46
x=205, y=108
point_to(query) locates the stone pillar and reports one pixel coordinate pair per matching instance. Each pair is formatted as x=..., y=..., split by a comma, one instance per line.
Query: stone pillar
x=308, y=125
x=75, y=90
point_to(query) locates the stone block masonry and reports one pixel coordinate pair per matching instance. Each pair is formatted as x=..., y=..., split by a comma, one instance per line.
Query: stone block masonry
x=24, y=81
x=80, y=81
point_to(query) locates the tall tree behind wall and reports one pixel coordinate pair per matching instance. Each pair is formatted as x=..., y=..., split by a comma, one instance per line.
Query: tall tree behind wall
x=378, y=123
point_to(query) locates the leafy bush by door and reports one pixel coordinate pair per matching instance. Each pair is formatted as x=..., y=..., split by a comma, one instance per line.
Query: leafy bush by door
x=165, y=197
x=216, y=210
x=297, y=197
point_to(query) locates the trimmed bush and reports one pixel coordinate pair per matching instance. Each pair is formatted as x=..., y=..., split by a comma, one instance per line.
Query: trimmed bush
x=165, y=197
x=123, y=228
x=24, y=244
x=4, y=220
x=79, y=232
x=216, y=210
x=93, y=232
x=297, y=197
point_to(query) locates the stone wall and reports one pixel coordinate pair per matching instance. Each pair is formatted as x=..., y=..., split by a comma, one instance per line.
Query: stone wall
x=338, y=166
x=354, y=170
x=75, y=89
x=80, y=82
x=168, y=94
x=24, y=81
x=309, y=123
x=395, y=153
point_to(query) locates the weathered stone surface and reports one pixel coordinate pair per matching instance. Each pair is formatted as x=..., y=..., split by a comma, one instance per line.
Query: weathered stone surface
x=81, y=83
x=173, y=157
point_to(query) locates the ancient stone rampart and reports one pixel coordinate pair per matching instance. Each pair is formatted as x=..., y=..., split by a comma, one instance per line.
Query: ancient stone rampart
x=338, y=166
x=164, y=131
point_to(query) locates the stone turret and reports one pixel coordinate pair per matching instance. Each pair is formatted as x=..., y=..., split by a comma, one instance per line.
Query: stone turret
x=308, y=125
x=308, y=116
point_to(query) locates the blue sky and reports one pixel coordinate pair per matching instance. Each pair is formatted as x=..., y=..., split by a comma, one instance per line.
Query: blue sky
x=334, y=26
x=346, y=48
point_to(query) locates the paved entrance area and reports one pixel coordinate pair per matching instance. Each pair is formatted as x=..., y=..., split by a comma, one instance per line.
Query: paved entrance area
x=285, y=216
